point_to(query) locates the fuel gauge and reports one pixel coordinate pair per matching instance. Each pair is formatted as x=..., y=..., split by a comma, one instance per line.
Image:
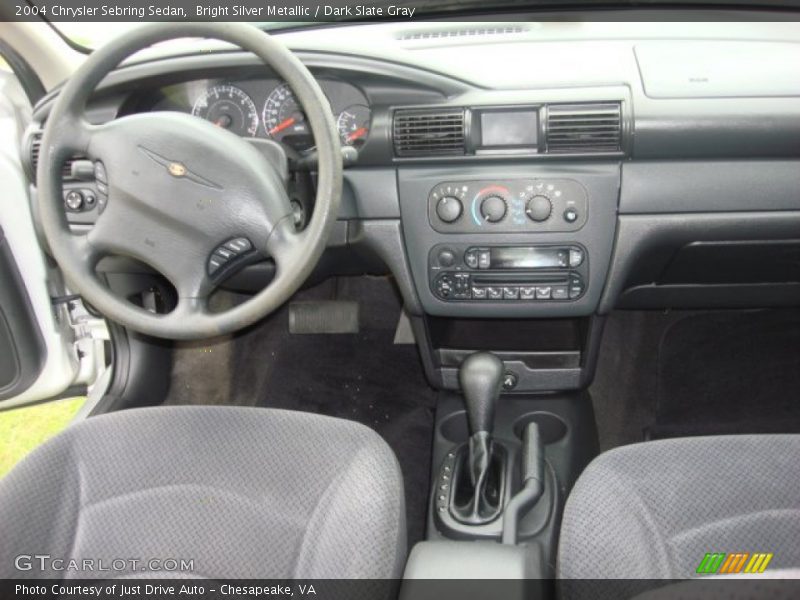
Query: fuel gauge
x=353, y=124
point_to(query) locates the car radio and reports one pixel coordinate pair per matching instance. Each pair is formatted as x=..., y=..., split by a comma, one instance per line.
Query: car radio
x=508, y=273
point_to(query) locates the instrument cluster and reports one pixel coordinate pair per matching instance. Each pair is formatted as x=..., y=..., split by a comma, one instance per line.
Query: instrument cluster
x=269, y=109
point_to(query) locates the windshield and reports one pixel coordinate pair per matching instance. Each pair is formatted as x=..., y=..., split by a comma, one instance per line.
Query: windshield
x=94, y=35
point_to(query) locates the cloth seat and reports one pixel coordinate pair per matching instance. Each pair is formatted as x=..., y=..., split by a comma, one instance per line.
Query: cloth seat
x=240, y=492
x=653, y=510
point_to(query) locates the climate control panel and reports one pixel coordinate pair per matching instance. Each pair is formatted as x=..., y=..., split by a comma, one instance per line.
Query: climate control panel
x=517, y=205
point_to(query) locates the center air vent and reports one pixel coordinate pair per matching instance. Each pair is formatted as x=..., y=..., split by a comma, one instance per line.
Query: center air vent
x=578, y=128
x=429, y=133
x=35, y=145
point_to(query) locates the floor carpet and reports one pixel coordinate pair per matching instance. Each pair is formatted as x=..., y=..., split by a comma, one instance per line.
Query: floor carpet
x=730, y=372
x=679, y=373
x=364, y=377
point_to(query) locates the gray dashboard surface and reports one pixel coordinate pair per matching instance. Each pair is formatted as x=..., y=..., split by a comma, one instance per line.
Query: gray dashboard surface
x=719, y=69
x=709, y=186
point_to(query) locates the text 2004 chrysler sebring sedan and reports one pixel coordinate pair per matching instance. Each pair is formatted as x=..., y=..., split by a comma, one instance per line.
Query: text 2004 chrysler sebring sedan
x=363, y=307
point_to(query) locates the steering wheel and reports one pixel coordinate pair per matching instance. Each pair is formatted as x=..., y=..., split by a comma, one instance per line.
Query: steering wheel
x=180, y=194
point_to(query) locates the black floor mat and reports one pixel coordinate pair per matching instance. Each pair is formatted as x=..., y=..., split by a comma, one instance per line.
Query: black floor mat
x=729, y=372
x=363, y=377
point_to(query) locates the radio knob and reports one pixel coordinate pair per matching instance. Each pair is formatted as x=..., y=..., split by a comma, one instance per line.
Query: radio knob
x=493, y=209
x=539, y=208
x=446, y=258
x=449, y=209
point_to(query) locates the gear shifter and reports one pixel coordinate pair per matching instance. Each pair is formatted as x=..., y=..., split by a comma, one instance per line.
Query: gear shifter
x=480, y=376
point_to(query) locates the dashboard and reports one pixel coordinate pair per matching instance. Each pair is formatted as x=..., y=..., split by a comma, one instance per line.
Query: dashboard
x=610, y=175
x=629, y=167
x=264, y=108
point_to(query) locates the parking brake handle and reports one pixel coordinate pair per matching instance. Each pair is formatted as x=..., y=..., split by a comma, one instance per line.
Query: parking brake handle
x=532, y=483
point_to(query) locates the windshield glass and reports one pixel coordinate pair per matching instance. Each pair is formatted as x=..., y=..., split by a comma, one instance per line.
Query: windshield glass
x=94, y=35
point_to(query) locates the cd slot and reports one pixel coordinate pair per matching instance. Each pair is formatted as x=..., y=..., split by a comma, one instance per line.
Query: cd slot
x=520, y=279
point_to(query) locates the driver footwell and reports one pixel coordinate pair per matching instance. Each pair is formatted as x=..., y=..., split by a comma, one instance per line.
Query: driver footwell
x=361, y=376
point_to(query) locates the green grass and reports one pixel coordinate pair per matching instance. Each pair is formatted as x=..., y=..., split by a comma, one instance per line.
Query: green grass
x=22, y=429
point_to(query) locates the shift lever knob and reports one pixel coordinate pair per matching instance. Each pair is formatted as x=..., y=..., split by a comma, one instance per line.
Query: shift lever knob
x=480, y=376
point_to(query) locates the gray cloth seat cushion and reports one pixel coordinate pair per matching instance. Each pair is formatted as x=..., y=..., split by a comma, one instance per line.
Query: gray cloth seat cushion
x=652, y=510
x=243, y=492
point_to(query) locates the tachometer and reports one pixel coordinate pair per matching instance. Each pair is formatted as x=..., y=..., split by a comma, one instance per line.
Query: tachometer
x=228, y=107
x=353, y=124
x=285, y=121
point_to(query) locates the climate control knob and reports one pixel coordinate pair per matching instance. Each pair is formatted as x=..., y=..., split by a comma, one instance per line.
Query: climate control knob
x=449, y=209
x=493, y=209
x=539, y=208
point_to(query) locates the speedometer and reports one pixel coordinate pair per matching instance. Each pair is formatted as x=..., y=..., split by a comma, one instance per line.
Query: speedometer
x=228, y=107
x=285, y=121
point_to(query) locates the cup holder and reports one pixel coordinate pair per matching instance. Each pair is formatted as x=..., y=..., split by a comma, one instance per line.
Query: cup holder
x=551, y=427
x=454, y=428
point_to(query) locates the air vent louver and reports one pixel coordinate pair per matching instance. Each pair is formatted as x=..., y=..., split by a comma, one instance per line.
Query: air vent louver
x=429, y=133
x=578, y=128
x=35, y=148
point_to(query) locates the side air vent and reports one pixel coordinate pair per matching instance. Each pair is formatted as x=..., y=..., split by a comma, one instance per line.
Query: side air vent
x=574, y=128
x=463, y=32
x=429, y=133
x=35, y=149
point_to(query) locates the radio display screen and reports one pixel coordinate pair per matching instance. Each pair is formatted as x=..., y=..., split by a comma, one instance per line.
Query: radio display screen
x=509, y=128
x=528, y=258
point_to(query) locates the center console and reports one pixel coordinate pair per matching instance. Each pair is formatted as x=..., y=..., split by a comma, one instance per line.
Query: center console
x=509, y=241
x=510, y=258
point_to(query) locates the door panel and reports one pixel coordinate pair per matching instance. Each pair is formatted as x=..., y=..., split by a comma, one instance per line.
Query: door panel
x=22, y=349
x=38, y=357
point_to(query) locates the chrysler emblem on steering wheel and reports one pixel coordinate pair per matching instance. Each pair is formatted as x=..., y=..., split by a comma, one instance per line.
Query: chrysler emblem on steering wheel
x=176, y=169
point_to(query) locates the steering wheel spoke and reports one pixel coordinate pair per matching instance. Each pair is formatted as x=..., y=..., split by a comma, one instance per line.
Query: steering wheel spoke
x=285, y=245
x=73, y=135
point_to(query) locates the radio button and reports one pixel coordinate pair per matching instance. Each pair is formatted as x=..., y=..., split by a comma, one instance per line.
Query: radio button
x=543, y=293
x=484, y=259
x=510, y=293
x=444, y=286
x=575, y=287
x=471, y=259
x=575, y=257
x=447, y=258
x=494, y=292
x=560, y=292
x=478, y=293
x=462, y=286
x=527, y=292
